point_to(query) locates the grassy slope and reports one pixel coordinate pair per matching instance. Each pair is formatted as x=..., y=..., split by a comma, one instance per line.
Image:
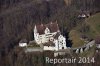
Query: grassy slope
x=94, y=23
x=75, y=37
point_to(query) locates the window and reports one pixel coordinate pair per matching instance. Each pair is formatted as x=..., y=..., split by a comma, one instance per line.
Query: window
x=62, y=47
x=62, y=40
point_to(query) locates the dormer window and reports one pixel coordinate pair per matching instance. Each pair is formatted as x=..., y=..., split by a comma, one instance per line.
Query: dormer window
x=47, y=30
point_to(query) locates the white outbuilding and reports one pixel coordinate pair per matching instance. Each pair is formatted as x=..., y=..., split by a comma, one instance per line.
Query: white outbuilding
x=23, y=43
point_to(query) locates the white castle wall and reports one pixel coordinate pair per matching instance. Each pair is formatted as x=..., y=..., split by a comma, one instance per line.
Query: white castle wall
x=49, y=48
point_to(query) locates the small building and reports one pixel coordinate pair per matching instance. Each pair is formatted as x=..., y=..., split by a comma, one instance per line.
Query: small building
x=97, y=41
x=84, y=14
x=23, y=43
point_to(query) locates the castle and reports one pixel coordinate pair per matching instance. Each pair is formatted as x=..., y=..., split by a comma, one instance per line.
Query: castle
x=50, y=36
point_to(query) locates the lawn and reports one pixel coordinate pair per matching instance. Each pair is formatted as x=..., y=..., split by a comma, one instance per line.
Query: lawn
x=75, y=37
x=94, y=30
x=94, y=23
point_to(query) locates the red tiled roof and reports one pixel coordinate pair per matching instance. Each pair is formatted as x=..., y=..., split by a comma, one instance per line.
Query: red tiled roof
x=40, y=28
x=57, y=35
x=53, y=27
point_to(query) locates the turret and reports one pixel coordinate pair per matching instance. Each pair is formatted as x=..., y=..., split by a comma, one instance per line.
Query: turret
x=35, y=29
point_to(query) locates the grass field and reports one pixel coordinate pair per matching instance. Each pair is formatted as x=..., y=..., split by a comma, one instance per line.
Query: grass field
x=94, y=30
x=75, y=37
x=94, y=23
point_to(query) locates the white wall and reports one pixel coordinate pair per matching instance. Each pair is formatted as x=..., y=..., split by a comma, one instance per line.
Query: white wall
x=22, y=44
x=62, y=42
x=44, y=37
x=49, y=48
x=56, y=44
x=98, y=45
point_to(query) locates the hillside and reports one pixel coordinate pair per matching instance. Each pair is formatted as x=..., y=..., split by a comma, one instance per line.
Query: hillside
x=74, y=35
x=94, y=23
x=89, y=28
